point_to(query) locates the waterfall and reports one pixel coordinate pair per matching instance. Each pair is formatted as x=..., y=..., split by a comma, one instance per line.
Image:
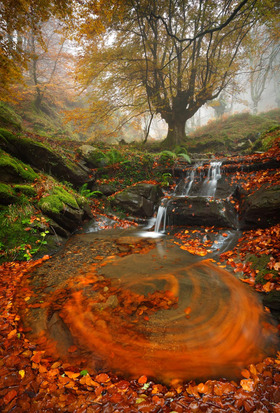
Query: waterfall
x=161, y=216
x=210, y=183
x=184, y=186
x=191, y=179
x=194, y=184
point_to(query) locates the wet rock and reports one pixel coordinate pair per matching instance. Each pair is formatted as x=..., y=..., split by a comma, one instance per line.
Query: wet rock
x=138, y=200
x=272, y=301
x=201, y=211
x=262, y=208
x=69, y=219
x=59, y=332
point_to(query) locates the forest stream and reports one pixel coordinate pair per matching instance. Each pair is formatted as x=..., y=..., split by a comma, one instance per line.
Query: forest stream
x=132, y=302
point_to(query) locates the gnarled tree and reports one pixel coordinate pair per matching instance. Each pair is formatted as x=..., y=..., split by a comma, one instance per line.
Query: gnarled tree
x=168, y=57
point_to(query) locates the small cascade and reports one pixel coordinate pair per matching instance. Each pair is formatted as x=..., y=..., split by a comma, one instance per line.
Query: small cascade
x=160, y=224
x=210, y=183
x=185, y=185
x=193, y=173
x=194, y=185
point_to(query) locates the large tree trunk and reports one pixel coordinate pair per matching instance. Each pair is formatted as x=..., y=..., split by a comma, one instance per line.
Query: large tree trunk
x=176, y=133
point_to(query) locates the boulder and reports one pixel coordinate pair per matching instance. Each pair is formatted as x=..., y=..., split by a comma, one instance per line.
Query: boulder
x=200, y=211
x=44, y=158
x=63, y=208
x=92, y=156
x=106, y=189
x=69, y=219
x=14, y=171
x=261, y=209
x=138, y=200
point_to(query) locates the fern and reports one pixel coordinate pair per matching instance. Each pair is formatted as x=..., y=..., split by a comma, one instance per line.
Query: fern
x=185, y=156
x=114, y=156
x=87, y=193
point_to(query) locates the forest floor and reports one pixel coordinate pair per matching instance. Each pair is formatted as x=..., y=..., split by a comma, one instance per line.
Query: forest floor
x=32, y=380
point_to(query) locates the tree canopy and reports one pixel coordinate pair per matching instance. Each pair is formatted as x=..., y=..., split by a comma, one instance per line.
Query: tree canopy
x=167, y=57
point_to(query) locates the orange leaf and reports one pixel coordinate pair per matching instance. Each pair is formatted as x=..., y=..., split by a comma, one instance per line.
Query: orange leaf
x=268, y=287
x=247, y=384
x=55, y=365
x=187, y=310
x=142, y=380
x=10, y=396
x=37, y=355
x=102, y=378
x=245, y=373
x=71, y=374
x=203, y=388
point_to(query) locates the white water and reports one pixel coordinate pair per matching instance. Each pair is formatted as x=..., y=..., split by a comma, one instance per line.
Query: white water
x=210, y=183
x=161, y=218
x=207, y=189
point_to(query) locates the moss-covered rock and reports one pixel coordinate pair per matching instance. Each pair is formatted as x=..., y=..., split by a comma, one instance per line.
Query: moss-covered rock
x=93, y=157
x=13, y=170
x=63, y=208
x=57, y=200
x=43, y=158
x=259, y=263
x=7, y=195
x=27, y=190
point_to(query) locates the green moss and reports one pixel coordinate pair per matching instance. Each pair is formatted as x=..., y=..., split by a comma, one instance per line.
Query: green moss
x=14, y=239
x=232, y=133
x=15, y=168
x=27, y=190
x=259, y=263
x=8, y=117
x=6, y=134
x=7, y=194
x=57, y=200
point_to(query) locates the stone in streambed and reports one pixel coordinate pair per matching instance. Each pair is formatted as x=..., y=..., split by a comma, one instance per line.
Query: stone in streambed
x=261, y=209
x=139, y=200
x=201, y=211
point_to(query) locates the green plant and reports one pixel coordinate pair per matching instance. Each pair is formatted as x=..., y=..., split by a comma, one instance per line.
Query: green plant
x=87, y=193
x=185, y=156
x=114, y=156
x=29, y=252
x=166, y=157
x=166, y=178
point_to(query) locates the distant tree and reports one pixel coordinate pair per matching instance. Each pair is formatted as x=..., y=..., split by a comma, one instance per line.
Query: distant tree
x=263, y=50
x=168, y=57
x=17, y=18
x=49, y=63
x=219, y=105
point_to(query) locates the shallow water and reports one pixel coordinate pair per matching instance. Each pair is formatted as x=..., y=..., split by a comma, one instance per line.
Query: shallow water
x=135, y=305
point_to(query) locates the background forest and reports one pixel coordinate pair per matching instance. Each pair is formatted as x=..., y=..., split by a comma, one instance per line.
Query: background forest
x=136, y=70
